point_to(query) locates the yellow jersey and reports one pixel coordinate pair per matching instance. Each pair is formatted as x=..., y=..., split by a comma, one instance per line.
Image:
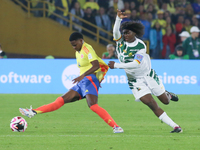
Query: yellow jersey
x=85, y=56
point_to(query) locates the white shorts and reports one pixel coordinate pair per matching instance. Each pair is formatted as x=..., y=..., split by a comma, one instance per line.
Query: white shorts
x=146, y=85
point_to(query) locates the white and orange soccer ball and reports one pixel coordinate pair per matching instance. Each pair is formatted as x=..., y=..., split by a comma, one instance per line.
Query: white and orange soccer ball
x=18, y=124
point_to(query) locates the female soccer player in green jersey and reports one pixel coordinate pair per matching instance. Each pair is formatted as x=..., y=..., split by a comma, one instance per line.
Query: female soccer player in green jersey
x=142, y=80
x=92, y=71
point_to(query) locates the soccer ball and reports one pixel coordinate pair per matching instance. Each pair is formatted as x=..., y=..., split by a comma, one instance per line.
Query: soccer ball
x=18, y=124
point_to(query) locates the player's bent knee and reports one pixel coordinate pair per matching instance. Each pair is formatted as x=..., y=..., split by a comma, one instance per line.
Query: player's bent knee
x=71, y=96
x=166, y=102
x=91, y=100
x=164, y=99
x=94, y=107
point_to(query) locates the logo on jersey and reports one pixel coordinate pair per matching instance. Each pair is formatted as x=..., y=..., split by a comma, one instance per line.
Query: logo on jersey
x=138, y=58
x=130, y=54
x=138, y=88
x=81, y=55
x=120, y=45
x=69, y=73
x=124, y=51
x=86, y=91
x=89, y=56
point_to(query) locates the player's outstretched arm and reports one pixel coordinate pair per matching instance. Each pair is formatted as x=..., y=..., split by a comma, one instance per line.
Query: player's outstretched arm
x=116, y=32
x=130, y=65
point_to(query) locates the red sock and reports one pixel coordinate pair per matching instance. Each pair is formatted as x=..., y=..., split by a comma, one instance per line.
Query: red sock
x=50, y=107
x=104, y=115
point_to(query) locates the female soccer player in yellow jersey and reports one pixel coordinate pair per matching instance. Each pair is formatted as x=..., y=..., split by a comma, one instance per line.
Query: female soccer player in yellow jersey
x=92, y=71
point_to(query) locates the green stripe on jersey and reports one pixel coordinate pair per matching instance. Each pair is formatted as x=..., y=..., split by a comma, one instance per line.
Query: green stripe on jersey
x=126, y=53
x=154, y=76
x=130, y=85
x=151, y=73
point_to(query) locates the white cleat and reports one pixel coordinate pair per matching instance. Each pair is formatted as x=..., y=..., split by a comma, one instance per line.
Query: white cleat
x=118, y=130
x=27, y=112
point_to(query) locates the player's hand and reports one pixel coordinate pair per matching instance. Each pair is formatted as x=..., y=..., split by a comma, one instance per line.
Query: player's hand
x=120, y=14
x=111, y=64
x=78, y=79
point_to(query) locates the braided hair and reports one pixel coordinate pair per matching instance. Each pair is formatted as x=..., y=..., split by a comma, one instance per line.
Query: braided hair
x=134, y=26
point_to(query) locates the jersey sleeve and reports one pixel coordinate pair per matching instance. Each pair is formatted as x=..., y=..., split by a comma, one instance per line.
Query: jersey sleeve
x=184, y=44
x=116, y=33
x=130, y=65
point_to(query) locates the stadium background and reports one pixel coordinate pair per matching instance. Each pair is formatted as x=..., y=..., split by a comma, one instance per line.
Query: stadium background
x=74, y=127
x=26, y=36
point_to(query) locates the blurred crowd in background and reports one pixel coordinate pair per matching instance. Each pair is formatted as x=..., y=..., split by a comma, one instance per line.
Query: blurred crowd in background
x=168, y=23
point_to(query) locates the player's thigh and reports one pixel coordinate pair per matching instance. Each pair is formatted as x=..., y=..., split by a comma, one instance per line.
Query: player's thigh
x=164, y=98
x=71, y=96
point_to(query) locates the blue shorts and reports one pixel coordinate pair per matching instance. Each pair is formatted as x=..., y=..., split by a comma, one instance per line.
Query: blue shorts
x=88, y=85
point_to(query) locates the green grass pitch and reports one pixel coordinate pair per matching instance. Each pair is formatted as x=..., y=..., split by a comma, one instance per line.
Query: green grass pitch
x=76, y=127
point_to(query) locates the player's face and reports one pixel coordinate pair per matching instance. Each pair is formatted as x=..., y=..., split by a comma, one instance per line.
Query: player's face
x=77, y=44
x=129, y=36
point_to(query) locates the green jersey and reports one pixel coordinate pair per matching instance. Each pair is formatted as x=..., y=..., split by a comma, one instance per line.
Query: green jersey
x=126, y=51
x=172, y=56
x=135, y=51
x=192, y=47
